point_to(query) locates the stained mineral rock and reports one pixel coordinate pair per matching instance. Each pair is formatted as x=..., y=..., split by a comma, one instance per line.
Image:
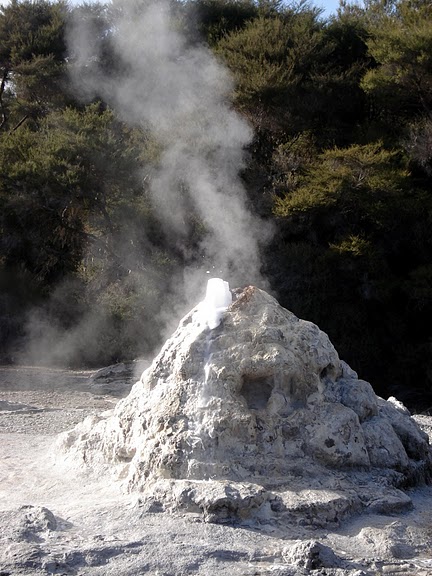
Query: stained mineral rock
x=256, y=420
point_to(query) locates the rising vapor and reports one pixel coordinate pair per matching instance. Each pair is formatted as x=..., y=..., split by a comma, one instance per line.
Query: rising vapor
x=181, y=93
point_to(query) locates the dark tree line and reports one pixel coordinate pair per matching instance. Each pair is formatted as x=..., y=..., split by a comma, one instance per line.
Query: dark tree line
x=341, y=164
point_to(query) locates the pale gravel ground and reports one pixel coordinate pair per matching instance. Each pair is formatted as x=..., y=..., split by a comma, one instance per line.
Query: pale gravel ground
x=44, y=412
x=103, y=532
x=47, y=400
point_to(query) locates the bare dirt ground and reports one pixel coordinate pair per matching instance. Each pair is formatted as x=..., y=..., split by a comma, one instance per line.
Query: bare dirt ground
x=54, y=521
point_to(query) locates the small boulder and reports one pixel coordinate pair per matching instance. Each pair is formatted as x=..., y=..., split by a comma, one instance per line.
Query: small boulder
x=312, y=555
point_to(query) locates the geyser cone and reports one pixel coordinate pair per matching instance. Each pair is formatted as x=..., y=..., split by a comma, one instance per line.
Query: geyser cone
x=261, y=401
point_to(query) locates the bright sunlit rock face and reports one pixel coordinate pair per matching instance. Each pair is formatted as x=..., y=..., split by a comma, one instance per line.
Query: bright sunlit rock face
x=266, y=412
x=218, y=298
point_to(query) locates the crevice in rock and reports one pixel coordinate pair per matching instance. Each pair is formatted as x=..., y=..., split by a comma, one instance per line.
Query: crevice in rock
x=328, y=372
x=256, y=391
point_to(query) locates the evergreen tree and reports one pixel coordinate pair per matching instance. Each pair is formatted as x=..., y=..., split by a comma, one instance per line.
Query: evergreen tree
x=400, y=85
x=353, y=254
x=32, y=57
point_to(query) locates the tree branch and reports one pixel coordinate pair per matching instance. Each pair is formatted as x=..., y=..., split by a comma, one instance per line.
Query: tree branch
x=18, y=125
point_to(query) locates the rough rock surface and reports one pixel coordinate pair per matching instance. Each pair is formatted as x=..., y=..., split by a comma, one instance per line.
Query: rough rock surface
x=256, y=420
x=56, y=522
x=117, y=380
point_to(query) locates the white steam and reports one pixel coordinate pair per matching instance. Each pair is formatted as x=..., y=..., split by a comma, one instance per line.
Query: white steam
x=218, y=298
x=180, y=92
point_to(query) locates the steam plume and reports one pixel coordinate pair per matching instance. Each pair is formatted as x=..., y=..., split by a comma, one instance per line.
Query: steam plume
x=181, y=93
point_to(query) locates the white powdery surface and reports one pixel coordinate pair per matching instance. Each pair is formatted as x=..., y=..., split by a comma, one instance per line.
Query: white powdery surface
x=257, y=420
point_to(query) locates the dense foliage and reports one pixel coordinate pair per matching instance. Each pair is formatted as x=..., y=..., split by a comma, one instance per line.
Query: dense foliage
x=341, y=164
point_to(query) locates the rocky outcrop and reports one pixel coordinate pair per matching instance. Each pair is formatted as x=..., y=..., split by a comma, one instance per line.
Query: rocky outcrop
x=117, y=379
x=256, y=418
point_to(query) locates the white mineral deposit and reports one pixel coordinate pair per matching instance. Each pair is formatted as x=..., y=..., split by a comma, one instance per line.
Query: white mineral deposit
x=248, y=447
